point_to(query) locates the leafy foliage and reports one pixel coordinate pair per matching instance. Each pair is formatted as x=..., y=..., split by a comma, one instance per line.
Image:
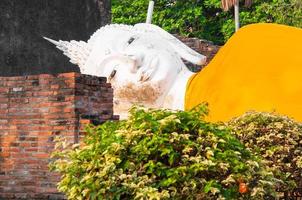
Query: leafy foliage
x=276, y=138
x=205, y=18
x=161, y=154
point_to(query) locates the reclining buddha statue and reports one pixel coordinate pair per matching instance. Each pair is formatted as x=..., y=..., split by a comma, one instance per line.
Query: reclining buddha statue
x=259, y=68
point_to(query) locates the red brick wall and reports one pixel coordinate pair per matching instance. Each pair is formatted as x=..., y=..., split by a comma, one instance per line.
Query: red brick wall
x=33, y=110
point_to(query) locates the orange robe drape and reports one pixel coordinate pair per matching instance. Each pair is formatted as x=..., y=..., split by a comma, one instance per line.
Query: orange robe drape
x=259, y=68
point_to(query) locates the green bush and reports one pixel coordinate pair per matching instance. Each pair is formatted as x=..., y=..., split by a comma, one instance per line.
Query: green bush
x=204, y=18
x=161, y=154
x=277, y=139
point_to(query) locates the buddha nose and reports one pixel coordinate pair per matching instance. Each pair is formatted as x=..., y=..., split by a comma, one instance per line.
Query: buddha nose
x=136, y=62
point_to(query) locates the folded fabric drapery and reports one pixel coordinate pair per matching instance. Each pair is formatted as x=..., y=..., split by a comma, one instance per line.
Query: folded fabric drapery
x=259, y=68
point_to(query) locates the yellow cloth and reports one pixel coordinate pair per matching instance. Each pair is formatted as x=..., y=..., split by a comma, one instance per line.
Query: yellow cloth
x=259, y=68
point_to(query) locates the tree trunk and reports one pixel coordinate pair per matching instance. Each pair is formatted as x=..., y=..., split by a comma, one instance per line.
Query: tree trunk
x=150, y=12
x=23, y=51
x=236, y=13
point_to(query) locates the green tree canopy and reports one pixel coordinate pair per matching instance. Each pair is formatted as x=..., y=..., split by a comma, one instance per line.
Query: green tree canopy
x=205, y=18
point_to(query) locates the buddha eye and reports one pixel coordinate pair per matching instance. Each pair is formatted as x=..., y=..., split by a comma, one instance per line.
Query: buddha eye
x=112, y=74
x=131, y=40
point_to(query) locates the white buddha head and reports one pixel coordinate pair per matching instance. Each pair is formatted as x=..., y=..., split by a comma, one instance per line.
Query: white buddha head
x=142, y=62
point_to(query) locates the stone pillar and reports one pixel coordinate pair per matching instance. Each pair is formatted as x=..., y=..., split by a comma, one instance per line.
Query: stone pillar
x=105, y=9
x=23, y=51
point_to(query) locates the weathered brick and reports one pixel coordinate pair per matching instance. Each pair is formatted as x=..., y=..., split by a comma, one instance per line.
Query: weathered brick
x=33, y=111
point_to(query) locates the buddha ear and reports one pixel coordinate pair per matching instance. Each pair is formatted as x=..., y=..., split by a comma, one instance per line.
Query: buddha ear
x=183, y=50
x=77, y=51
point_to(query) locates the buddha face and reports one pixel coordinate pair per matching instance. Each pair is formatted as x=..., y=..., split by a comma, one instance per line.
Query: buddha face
x=142, y=69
